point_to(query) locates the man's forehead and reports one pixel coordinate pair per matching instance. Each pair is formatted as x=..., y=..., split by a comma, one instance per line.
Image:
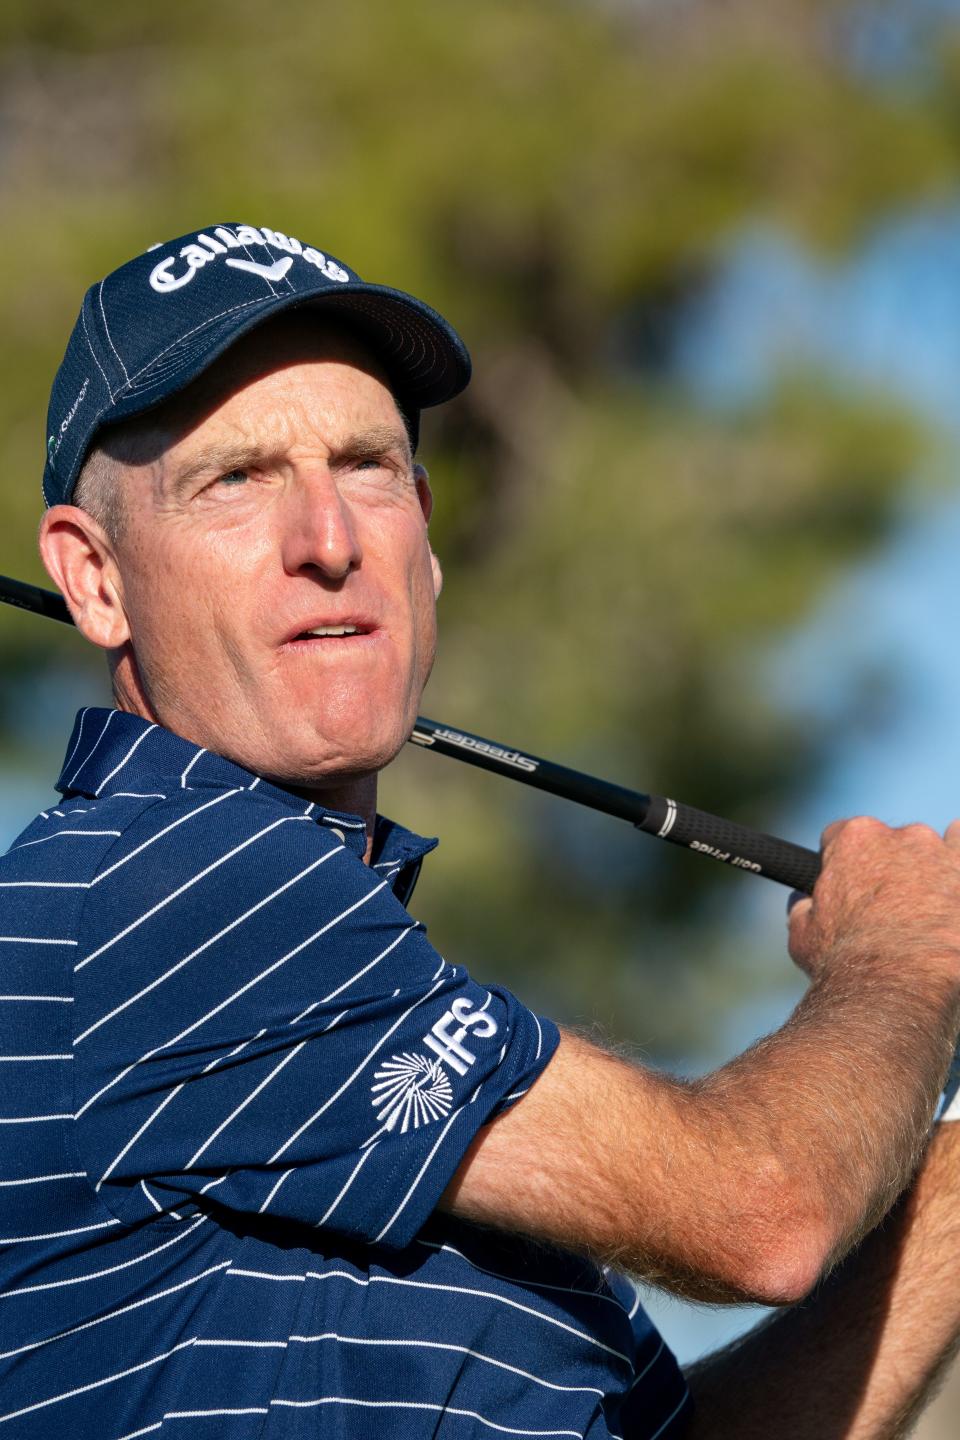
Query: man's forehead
x=271, y=378
x=268, y=356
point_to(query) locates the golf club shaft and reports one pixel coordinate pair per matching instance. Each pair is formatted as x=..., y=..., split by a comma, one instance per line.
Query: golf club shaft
x=710, y=835
x=723, y=840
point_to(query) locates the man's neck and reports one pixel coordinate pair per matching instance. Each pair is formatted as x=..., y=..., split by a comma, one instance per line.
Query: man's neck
x=355, y=797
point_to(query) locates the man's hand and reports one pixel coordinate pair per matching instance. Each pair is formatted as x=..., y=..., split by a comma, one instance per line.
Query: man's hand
x=884, y=896
x=750, y=1182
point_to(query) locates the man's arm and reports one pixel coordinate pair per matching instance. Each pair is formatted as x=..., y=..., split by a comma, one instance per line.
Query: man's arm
x=866, y=1352
x=748, y=1183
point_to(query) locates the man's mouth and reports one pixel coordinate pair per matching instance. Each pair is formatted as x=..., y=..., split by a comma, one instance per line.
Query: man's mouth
x=332, y=630
x=322, y=630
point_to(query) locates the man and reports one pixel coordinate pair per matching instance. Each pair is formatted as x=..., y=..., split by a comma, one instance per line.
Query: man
x=274, y=1167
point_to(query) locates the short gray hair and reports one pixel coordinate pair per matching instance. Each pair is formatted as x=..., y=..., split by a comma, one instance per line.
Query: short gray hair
x=99, y=491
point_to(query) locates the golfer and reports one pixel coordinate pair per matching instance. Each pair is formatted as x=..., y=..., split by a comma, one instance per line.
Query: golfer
x=270, y=1166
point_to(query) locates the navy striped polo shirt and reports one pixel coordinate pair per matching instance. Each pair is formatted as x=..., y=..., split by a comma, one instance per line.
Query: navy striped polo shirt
x=236, y=1079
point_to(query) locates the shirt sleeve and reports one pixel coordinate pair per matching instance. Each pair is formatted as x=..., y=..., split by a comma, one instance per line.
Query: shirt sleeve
x=259, y=1019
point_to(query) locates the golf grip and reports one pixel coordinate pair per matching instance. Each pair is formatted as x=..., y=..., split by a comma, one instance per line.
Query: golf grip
x=734, y=845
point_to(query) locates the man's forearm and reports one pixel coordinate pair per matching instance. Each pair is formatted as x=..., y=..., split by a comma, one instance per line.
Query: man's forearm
x=842, y=1096
x=744, y=1185
x=861, y=1357
x=749, y=1183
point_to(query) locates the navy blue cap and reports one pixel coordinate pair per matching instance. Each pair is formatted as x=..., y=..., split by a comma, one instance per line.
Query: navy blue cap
x=156, y=323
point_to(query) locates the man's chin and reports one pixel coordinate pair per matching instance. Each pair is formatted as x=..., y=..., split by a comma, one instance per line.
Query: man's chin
x=331, y=765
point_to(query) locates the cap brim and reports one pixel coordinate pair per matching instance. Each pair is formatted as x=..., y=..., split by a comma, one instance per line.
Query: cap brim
x=424, y=356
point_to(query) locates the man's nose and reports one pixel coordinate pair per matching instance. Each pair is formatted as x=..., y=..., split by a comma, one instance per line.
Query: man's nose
x=319, y=528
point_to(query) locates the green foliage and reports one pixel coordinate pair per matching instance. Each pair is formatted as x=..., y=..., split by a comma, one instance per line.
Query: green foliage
x=536, y=170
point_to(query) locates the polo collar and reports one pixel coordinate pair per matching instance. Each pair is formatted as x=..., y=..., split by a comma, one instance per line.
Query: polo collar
x=113, y=753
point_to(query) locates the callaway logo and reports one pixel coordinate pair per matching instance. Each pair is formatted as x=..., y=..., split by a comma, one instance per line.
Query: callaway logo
x=167, y=276
x=410, y=1090
x=276, y=271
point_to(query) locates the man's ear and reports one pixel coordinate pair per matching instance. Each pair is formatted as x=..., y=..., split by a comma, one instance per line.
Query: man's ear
x=80, y=560
x=425, y=496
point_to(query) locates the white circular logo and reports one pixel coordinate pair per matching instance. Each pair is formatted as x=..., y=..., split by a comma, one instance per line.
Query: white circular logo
x=410, y=1091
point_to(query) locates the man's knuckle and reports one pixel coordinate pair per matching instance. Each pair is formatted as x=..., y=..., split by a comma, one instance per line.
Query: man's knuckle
x=864, y=825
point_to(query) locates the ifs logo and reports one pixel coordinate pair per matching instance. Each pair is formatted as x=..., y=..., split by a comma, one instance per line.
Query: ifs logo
x=412, y=1089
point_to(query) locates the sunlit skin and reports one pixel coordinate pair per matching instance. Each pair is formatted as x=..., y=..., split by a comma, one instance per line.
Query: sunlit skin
x=277, y=496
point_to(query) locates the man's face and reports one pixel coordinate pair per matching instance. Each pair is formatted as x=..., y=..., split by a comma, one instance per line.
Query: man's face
x=280, y=500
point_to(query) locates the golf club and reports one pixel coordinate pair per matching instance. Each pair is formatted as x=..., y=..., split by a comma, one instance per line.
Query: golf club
x=710, y=835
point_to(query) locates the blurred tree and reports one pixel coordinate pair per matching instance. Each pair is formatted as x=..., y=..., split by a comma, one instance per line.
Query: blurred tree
x=557, y=178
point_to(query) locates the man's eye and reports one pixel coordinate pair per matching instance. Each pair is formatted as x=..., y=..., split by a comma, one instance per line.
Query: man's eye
x=234, y=477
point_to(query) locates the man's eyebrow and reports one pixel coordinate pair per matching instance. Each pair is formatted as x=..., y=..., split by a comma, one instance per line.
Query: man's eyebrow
x=219, y=460
x=374, y=442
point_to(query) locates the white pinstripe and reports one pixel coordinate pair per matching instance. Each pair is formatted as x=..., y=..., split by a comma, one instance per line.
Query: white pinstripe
x=266, y=1204
x=222, y=1342
x=31, y=1119
x=419, y=1176
x=442, y=1345
x=346, y=1186
x=215, y=1414
x=42, y=1179
x=32, y=940
x=58, y=1234
x=523, y=1281
x=76, y=744
x=354, y=978
x=421, y=1405
x=44, y=884
x=90, y=752
x=71, y=834
x=117, y=768
x=183, y=777
x=50, y=999
x=247, y=1100
x=19, y=1059
x=96, y=1384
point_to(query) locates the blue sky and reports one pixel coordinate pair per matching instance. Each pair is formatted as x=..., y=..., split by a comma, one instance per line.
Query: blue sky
x=888, y=320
